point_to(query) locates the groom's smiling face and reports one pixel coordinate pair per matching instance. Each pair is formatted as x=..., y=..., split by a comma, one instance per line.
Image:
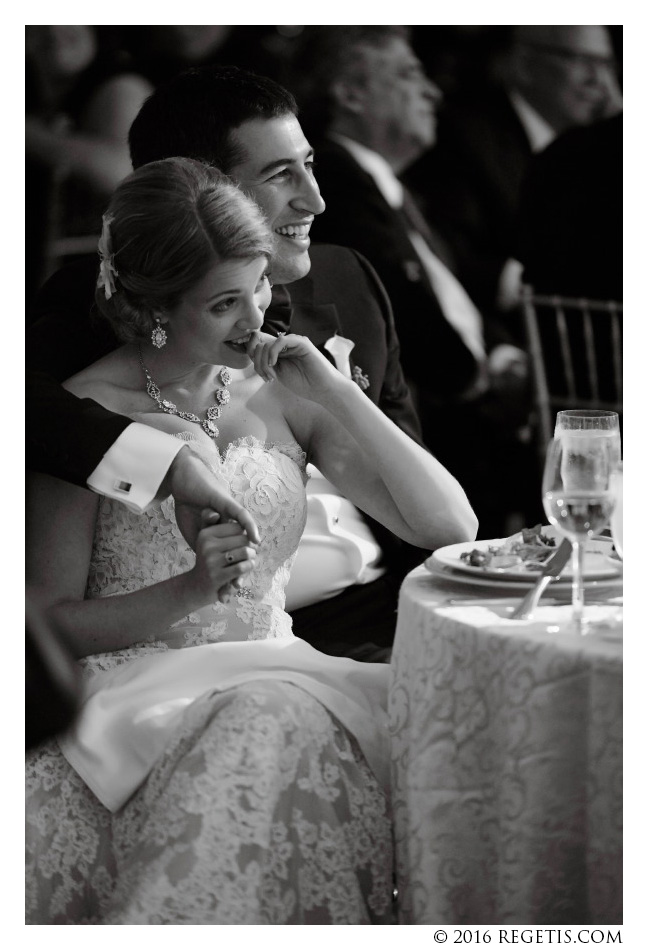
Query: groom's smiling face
x=277, y=171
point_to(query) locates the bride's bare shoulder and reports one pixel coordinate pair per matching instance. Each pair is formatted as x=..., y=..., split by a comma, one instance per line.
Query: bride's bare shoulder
x=115, y=381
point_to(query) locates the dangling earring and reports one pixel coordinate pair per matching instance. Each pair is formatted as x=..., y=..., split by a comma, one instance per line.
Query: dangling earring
x=158, y=335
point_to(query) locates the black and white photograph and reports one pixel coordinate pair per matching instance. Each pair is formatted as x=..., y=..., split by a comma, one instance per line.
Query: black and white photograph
x=324, y=475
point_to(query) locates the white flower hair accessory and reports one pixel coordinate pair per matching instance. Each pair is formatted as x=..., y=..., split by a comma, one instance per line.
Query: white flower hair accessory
x=107, y=272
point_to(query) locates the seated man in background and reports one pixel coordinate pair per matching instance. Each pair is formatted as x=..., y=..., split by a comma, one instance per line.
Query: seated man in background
x=570, y=242
x=246, y=125
x=365, y=91
x=570, y=220
x=548, y=79
x=80, y=99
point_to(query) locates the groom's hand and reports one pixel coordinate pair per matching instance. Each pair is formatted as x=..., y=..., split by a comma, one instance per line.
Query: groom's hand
x=194, y=488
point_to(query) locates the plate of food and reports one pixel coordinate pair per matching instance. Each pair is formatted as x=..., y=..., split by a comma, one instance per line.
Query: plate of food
x=520, y=558
x=560, y=590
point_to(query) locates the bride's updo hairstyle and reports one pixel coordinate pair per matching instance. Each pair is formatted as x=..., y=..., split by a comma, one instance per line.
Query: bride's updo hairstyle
x=167, y=224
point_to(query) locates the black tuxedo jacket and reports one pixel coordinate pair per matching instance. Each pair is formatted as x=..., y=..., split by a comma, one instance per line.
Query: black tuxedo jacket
x=570, y=240
x=570, y=220
x=343, y=294
x=470, y=182
x=433, y=355
x=68, y=437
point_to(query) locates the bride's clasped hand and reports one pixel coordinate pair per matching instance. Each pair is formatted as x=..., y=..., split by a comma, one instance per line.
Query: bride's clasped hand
x=224, y=555
x=200, y=500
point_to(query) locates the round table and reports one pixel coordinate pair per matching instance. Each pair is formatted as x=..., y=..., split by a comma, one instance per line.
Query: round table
x=506, y=761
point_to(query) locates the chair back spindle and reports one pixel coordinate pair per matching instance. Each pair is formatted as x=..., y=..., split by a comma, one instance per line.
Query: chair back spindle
x=575, y=356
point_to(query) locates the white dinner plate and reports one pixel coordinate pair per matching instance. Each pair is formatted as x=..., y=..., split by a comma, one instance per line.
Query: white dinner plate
x=521, y=583
x=596, y=564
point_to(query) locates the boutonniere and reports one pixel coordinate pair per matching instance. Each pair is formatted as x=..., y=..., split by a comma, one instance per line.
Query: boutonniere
x=340, y=348
x=360, y=378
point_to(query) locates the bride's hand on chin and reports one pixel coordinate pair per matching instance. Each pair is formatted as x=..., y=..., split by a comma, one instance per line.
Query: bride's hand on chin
x=295, y=362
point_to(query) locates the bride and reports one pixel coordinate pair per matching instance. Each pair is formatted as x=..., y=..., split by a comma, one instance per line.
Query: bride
x=220, y=770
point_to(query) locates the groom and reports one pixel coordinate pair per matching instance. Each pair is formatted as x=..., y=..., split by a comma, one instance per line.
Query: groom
x=246, y=125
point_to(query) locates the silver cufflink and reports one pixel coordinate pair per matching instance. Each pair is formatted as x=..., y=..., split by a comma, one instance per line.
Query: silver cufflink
x=123, y=486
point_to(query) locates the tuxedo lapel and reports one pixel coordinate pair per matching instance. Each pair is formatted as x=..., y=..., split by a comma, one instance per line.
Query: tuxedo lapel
x=278, y=316
x=415, y=221
x=396, y=222
x=319, y=322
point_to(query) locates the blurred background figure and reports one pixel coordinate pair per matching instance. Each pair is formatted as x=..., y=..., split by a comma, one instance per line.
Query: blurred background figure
x=52, y=679
x=370, y=111
x=545, y=80
x=570, y=242
x=167, y=50
x=570, y=218
x=81, y=97
x=458, y=58
x=164, y=51
x=566, y=74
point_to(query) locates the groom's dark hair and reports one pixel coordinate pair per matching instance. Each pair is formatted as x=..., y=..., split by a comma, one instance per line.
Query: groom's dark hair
x=193, y=114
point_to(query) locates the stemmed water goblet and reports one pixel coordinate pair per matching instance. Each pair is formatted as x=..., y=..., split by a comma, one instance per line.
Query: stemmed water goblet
x=592, y=423
x=578, y=492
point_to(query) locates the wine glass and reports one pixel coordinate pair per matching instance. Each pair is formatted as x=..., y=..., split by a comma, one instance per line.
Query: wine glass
x=591, y=423
x=578, y=497
x=601, y=423
x=616, y=521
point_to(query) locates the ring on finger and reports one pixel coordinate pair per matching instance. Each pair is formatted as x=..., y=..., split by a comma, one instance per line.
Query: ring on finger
x=229, y=557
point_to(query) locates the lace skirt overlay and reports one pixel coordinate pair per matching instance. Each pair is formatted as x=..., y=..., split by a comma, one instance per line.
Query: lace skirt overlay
x=260, y=811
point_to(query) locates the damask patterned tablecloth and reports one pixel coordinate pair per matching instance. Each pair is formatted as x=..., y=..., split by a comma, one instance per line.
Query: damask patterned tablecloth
x=506, y=762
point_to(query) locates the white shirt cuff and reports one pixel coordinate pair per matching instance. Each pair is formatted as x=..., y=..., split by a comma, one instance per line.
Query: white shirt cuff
x=135, y=465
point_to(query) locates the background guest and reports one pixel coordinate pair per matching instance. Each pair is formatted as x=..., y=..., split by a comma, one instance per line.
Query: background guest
x=570, y=241
x=164, y=51
x=570, y=221
x=81, y=99
x=370, y=110
x=547, y=80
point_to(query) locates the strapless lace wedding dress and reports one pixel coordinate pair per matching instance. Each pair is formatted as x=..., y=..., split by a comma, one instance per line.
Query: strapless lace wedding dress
x=238, y=776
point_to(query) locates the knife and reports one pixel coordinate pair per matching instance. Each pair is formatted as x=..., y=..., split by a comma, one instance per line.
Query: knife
x=553, y=568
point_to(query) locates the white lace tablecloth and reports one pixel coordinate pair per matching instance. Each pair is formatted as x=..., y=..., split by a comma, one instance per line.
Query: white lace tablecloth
x=506, y=759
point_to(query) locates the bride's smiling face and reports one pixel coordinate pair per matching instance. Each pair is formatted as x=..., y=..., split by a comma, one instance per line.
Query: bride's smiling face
x=213, y=320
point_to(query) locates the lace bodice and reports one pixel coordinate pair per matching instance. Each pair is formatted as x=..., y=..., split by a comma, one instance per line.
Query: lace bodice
x=132, y=551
